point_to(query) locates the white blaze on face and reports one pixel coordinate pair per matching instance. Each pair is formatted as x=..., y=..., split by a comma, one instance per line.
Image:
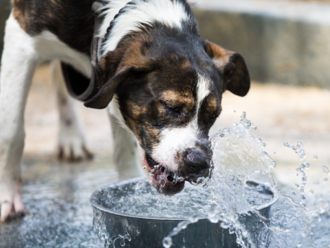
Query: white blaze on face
x=178, y=140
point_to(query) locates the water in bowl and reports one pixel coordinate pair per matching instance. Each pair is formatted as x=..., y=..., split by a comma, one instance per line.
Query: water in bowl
x=140, y=198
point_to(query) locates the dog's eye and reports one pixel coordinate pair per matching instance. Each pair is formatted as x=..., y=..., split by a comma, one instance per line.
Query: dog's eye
x=173, y=109
x=214, y=116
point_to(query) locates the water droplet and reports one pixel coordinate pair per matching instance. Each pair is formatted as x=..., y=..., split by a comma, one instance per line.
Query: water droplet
x=325, y=169
x=261, y=142
x=305, y=165
x=167, y=242
x=128, y=237
x=273, y=163
x=297, y=185
x=315, y=157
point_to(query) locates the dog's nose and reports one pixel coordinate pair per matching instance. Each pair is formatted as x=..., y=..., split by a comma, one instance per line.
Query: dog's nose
x=197, y=164
x=195, y=161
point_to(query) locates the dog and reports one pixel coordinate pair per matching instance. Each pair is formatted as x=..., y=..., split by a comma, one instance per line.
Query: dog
x=162, y=85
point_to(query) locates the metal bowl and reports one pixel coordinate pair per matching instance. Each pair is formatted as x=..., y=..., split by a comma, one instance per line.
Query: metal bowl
x=118, y=229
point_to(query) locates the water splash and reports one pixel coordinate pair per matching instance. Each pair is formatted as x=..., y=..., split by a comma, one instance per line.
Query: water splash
x=227, y=199
x=238, y=156
x=325, y=169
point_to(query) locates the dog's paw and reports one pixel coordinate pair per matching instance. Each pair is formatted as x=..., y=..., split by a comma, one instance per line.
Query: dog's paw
x=11, y=205
x=72, y=144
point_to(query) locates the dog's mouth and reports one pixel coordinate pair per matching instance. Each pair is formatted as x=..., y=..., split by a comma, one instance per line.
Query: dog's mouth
x=165, y=181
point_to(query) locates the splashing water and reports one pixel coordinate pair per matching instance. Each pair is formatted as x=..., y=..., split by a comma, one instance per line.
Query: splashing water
x=291, y=224
x=229, y=200
x=238, y=156
x=325, y=169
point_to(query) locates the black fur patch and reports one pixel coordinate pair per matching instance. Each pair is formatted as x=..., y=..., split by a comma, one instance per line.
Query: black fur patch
x=70, y=20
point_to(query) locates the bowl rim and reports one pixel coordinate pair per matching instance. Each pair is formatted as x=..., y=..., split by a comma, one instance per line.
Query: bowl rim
x=136, y=179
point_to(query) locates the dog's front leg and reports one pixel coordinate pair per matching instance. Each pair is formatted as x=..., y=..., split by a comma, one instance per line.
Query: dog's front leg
x=126, y=152
x=72, y=144
x=19, y=61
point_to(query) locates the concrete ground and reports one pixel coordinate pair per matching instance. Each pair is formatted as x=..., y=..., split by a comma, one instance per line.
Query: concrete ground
x=282, y=114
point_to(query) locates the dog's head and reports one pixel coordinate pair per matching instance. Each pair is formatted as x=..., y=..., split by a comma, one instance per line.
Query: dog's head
x=169, y=96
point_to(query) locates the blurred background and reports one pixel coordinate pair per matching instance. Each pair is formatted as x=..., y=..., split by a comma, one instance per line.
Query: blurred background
x=286, y=45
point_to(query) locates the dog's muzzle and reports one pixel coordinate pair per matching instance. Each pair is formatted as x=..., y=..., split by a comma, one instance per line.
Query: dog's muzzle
x=197, y=162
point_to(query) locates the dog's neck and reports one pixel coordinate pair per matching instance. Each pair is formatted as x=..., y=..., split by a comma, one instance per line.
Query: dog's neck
x=126, y=16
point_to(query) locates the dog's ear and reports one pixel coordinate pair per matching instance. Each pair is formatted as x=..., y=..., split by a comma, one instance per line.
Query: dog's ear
x=104, y=96
x=120, y=66
x=232, y=66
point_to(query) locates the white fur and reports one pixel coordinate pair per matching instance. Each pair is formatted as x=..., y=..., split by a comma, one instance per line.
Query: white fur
x=114, y=110
x=175, y=141
x=170, y=13
x=22, y=53
x=47, y=46
x=111, y=10
x=203, y=90
x=19, y=61
x=71, y=138
x=127, y=153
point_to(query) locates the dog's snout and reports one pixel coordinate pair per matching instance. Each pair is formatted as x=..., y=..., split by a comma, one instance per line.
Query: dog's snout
x=195, y=161
x=196, y=165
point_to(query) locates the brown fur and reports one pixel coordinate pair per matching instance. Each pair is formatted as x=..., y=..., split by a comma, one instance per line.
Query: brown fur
x=232, y=66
